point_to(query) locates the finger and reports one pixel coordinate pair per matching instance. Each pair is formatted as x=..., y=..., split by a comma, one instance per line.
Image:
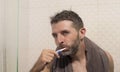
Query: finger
x=51, y=55
x=57, y=55
x=54, y=52
x=50, y=52
x=48, y=59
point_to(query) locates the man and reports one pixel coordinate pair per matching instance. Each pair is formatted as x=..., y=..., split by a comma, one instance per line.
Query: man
x=79, y=53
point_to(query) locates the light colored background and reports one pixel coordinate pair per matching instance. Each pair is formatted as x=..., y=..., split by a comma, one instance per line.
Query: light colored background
x=25, y=25
x=8, y=35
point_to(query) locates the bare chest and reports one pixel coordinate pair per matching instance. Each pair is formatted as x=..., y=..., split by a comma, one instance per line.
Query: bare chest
x=79, y=67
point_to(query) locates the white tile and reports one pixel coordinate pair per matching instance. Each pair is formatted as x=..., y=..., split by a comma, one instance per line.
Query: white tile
x=108, y=1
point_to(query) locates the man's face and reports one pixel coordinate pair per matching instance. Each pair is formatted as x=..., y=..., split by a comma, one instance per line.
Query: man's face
x=66, y=36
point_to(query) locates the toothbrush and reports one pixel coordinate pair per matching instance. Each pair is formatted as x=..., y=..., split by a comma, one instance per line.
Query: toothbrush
x=60, y=50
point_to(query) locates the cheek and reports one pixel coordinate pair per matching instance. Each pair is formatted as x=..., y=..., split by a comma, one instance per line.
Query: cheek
x=75, y=40
x=70, y=41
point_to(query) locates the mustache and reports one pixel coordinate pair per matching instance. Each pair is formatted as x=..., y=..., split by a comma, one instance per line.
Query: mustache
x=60, y=46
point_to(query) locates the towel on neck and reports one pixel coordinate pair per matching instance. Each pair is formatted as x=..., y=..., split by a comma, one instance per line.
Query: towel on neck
x=97, y=60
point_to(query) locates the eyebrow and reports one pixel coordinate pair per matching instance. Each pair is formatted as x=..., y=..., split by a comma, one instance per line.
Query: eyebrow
x=65, y=31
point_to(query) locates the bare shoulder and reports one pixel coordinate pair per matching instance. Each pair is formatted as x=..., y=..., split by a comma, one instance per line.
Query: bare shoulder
x=111, y=63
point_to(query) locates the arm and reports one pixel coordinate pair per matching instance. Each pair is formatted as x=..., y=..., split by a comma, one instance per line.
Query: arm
x=44, y=61
x=111, y=63
x=39, y=66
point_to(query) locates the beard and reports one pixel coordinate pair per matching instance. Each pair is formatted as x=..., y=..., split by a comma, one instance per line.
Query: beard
x=72, y=50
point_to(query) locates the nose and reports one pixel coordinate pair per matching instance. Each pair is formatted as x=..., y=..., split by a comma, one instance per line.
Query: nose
x=60, y=39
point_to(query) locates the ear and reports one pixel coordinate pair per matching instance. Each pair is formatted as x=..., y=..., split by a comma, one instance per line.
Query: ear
x=82, y=33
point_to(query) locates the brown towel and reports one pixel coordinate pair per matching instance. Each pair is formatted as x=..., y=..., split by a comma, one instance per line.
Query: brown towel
x=97, y=60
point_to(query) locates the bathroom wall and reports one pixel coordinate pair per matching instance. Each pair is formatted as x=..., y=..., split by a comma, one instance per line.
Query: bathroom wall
x=25, y=29
x=101, y=19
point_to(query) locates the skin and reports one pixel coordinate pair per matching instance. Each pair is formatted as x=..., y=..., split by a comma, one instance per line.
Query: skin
x=66, y=36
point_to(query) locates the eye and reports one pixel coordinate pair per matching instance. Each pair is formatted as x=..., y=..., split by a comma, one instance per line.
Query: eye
x=65, y=33
x=54, y=35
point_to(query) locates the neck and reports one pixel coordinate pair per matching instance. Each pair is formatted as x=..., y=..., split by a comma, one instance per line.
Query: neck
x=80, y=55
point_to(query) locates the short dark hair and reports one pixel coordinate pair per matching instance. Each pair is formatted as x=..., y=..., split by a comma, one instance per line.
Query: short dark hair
x=68, y=15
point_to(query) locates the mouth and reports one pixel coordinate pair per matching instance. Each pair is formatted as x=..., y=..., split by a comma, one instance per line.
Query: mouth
x=61, y=46
x=59, y=51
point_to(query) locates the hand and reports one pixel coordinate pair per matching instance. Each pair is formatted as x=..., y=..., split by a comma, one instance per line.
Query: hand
x=47, y=55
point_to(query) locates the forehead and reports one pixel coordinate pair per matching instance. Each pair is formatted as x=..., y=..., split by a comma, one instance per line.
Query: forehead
x=62, y=25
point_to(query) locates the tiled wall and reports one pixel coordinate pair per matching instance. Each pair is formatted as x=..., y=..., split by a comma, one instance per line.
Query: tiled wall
x=101, y=19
